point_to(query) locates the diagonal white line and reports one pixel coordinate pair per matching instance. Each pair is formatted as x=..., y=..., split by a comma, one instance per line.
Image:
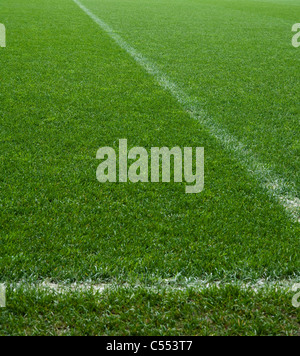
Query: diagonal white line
x=280, y=189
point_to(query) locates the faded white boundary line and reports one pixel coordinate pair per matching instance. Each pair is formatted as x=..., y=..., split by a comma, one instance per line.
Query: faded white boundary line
x=61, y=288
x=280, y=189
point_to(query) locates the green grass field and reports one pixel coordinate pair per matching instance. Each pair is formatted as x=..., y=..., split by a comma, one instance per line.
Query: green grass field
x=68, y=87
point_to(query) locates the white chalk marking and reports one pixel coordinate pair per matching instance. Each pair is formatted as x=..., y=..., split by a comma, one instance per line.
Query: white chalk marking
x=280, y=189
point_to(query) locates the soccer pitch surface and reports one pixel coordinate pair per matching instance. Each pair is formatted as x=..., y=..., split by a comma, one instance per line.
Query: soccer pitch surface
x=80, y=75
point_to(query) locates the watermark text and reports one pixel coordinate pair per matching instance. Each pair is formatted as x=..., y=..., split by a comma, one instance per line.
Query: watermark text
x=160, y=165
x=296, y=297
x=2, y=35
x=296, y=37
x=2, y=296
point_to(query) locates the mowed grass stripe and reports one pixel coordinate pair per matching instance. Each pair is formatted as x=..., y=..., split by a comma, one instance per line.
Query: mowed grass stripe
x=281, y=189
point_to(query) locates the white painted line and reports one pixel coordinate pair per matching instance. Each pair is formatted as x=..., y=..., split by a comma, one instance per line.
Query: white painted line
x=168, y=285
x=280, y=189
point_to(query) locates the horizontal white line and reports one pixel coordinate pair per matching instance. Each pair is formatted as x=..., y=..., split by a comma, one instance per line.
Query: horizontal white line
x=169, y=285
x=280, y=189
